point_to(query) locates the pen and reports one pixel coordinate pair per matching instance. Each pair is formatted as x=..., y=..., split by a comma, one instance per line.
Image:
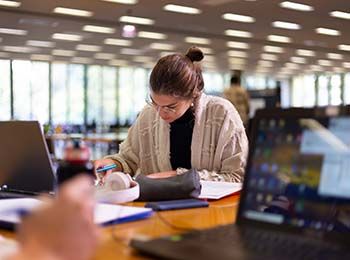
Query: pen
x=106, y=168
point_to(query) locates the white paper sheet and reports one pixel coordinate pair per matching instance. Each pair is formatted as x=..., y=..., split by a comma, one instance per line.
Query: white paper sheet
x=217, y=190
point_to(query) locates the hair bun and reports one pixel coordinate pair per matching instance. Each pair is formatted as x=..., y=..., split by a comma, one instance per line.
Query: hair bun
x=195, y=54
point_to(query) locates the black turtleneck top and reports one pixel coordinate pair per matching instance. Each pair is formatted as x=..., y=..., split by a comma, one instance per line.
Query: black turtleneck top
x=180, y=140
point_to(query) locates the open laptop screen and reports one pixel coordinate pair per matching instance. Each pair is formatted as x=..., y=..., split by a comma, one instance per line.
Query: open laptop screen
x=299, y=173
x=25, y=164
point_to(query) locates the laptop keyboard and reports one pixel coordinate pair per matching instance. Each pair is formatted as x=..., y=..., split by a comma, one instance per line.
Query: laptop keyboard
x=269, y=243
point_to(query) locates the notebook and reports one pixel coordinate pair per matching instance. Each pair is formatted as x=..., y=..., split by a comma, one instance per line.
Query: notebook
x=25, y=165
x=295, y=201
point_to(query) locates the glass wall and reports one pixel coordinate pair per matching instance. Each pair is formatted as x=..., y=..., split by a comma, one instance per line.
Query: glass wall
x=5, y=90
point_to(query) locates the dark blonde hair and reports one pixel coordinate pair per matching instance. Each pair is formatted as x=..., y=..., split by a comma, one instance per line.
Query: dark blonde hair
x=178, y=75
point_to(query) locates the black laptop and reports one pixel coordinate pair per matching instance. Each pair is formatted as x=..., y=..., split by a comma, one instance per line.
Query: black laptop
x=25, y=165
x=295, y=202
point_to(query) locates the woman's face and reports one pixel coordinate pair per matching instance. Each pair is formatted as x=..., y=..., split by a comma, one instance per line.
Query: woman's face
x=169, y=108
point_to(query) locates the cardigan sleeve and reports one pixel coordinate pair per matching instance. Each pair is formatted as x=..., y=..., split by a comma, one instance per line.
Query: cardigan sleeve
x=233, y=161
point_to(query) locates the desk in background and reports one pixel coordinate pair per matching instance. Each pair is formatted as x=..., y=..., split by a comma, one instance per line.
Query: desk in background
x=115, y=238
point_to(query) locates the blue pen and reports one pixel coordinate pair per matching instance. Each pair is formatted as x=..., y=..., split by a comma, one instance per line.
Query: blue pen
x=106, y=168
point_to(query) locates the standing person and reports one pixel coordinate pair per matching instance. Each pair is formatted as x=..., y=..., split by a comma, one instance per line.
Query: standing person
x=239, y=97
x=182, y=128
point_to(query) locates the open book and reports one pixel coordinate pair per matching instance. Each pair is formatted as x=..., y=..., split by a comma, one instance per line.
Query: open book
x=12, y=209
x=217, y=190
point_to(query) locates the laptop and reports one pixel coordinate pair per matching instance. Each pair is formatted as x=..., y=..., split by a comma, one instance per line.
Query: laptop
x=25, y=165
x=295, y=201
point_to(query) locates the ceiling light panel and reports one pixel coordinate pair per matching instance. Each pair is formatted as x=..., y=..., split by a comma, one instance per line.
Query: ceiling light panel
x=98, y=29
x=237, y=45
x=87, y=47
x=340, y=14
x=238, y=18
x=268, y=56
x=299, y=60
x=238, y=54
x=327, y=31
x=104, y=56
x=307, y=53
x=151, y=35
x=278, y=38
x=13, y=31
x=9, y=3
x=71, y=11
x=44, y=44
x=344, y=47
x=206, y=50
x=129, y=51
x=41, y=57
x=346, y=65
x=136, y=20
x=60, y=52
x=296, y=6
x=143, y=59
x=286, y=25
x=238, y=33
x=162, y=46
x=181, y=9
x=292, y=66
x=273, y=49
x=20, y=49
x=67, y=37
x=197, y=40
x=126, y=2
x=325, y=63
x=334, y=56
x=81, y=60
x=316, y=67
x=237, y=61
x=118, y=42
x=265, y=63
x=118, y=63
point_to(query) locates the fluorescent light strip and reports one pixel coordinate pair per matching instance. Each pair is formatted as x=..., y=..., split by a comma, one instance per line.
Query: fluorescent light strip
x=238, y=33
x=265, y=63
x=98, y=29
x=86, y=47
x=197, y=40
x=296, y=6
x=143, y=59
x=10, y=3
x=340, y=14
x=278, y=38
x=181, y=9
x=44, y=44
x=137, y=20
x=126, y=2
x=104, y=56
x=162, y=46
x=292, y=66
x=118, y=63
x=267, y=56
x=82, y=60
x=151, y=35
x=299, y=60
x=325, y=62
x=286, y=25
x=71, y=11
x=316, y=67
x=41, y=57
x=237, y=45
x=307, y=53
x=344, y=47
x=206, y=50
x=238, y=18
x=273, y=49
x=237, y=61
x=13, y=31
x=60, y=52
x=334, y=56
x=19, y=49
x=118, y=42
x=67, y=37
x=129, y=51
x=238, y=54
x=327, y=31
x=346, y=65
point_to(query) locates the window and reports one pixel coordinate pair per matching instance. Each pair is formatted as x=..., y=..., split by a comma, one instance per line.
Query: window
x=347, y=89
x=214, y=83
x=335, y=91
x=5, y=91
x=322, y=95
x=31, y=90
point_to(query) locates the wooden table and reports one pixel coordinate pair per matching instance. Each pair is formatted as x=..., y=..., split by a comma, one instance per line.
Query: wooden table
x=115, y=239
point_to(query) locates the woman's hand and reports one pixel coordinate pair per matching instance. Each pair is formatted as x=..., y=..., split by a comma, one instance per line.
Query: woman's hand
x=101, y=163
x=160, y=175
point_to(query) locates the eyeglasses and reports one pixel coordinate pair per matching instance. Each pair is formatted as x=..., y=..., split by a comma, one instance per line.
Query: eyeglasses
x=165, y=109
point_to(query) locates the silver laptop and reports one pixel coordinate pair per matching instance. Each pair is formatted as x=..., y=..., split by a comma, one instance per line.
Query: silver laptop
x=25, y=165
x=295, y=202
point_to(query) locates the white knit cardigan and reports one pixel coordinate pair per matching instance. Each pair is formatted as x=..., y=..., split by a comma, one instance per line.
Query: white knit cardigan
x=219, y=144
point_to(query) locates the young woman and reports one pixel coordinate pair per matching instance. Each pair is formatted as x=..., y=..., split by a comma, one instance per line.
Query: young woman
x=182, y=128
